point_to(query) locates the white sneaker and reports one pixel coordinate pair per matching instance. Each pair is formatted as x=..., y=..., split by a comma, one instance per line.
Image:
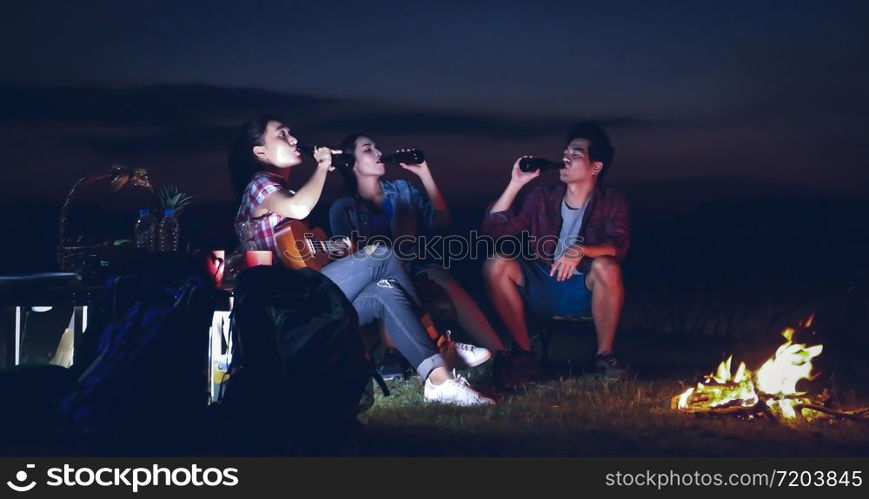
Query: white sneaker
x=462, y=355
x=455, y=391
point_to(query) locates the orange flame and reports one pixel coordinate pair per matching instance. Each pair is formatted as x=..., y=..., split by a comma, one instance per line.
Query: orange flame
x=776, y=380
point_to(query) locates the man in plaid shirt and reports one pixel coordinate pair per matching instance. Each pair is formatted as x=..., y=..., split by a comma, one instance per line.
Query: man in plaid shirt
x=581, y=231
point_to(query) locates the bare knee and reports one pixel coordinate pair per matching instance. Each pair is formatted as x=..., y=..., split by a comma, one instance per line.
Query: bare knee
x=499, y=267
x=493, y=266
x=606, y=270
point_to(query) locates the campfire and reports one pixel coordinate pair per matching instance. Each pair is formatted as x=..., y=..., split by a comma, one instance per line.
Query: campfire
x=770, y=391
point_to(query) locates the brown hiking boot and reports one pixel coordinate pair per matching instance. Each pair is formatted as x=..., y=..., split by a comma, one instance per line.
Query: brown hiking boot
x=607, y=366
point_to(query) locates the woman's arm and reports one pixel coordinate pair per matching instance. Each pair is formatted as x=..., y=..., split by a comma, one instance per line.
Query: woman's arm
x=441, y=217
x=300, y=205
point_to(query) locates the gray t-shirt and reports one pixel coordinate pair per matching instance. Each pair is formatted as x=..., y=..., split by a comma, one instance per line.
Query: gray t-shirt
x=571, y=223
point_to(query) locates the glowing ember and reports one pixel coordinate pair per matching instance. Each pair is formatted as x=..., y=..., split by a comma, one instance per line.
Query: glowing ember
x=774, y=383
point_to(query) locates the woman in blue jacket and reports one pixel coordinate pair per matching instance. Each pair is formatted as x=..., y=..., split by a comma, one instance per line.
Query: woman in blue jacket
x=399, y=211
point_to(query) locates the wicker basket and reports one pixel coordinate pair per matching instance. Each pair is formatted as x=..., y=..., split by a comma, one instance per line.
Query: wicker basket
x=97, y=218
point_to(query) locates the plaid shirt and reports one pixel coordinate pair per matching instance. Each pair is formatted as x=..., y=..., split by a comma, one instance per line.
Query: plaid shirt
x=258, y=233
x=606, y=221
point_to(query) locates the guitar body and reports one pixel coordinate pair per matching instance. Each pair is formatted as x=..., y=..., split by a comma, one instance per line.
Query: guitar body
x=300, y=246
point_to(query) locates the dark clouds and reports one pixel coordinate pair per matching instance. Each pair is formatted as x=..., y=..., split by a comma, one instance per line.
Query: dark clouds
x=628, y=59
x=181, y=133
x=202, y=118
x=767, y=93
x=146, y=105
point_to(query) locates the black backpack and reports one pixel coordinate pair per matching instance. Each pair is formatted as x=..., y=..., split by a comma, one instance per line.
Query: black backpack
x=145, y=391
x=300, y=372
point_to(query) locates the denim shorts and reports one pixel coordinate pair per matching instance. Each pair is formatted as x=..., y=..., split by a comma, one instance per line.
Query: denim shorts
x=547, y=297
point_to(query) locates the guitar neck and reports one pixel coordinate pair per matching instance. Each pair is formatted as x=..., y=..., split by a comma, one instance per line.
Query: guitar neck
x=330, y=247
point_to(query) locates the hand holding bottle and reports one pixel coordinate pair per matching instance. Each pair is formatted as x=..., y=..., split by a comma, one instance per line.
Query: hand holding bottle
x=519, y=177
x=531, y=163
x=323, y=157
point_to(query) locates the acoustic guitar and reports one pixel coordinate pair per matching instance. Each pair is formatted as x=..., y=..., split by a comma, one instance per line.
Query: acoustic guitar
x=300, y=246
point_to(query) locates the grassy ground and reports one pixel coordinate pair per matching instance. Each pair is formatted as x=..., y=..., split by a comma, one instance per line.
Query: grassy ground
x=590, y=417
x=587, y=416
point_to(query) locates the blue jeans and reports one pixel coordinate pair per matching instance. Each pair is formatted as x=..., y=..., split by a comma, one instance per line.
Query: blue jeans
x=379, y=288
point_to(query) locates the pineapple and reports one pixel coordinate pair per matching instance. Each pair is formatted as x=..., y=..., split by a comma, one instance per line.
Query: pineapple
x=173, y=198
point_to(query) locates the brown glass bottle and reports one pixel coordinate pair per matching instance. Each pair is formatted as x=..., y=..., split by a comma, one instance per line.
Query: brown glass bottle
x=531, y=164
x=406, y=156
x=340, y=160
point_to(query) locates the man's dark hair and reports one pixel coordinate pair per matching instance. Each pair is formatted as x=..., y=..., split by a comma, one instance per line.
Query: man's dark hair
x=599, y=146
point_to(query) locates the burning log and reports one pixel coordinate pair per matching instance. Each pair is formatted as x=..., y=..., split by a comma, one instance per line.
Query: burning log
x=771, y=390
x=861, y=414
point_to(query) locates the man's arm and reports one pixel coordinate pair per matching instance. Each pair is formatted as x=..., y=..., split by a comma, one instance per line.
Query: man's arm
x=506, y=199
x=617, y=234
x=618, y=226
x=518, y=180
x=499, y=219
x=596, y=250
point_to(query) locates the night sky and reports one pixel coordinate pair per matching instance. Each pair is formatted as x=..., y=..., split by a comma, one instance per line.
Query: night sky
x=722, y=99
